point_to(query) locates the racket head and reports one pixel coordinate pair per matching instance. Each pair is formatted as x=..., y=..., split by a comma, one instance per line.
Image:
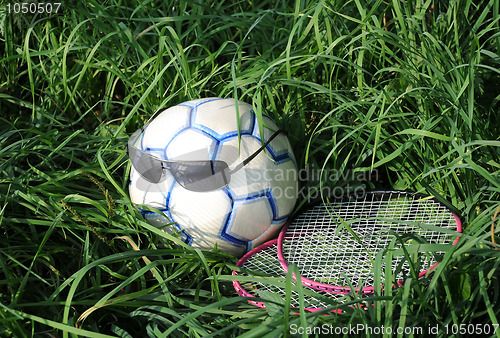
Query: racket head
x=264, y=260
x=314, y=239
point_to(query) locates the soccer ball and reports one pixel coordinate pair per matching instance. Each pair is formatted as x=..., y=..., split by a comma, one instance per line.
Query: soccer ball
x=237, y=217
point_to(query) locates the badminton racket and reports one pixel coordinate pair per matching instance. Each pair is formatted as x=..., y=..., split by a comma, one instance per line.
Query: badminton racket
x=335, y=245
x=263, y=261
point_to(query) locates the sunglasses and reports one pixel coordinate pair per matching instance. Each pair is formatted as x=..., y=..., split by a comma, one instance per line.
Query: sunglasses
x=197, y=176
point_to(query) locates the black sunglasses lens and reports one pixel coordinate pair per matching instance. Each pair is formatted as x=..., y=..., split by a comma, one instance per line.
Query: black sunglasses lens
x=148, y=167
x=201, y=175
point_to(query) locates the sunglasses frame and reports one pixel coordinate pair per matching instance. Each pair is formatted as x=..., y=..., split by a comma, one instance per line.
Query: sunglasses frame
x=227, y=176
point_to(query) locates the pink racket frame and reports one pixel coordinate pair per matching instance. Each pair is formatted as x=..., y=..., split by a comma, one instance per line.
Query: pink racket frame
x=242, y=292
x=343, y=289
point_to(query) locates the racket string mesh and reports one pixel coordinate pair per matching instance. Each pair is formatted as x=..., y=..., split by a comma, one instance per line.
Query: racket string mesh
x=266, y=263
x=338, y=244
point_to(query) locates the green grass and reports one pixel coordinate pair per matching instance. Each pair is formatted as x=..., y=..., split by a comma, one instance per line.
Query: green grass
x=406, y=88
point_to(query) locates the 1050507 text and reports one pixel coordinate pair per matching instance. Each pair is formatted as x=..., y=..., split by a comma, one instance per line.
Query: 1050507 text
x=33, y=7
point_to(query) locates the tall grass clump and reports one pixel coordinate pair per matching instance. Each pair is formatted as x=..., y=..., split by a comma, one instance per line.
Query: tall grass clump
x=389, y=94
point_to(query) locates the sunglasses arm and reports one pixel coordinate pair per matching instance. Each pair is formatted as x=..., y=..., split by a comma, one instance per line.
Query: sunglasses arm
x=165, y=164
x=251, y=157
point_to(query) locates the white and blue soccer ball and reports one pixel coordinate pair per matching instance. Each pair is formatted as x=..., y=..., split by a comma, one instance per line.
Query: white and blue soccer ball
x=238, y=217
